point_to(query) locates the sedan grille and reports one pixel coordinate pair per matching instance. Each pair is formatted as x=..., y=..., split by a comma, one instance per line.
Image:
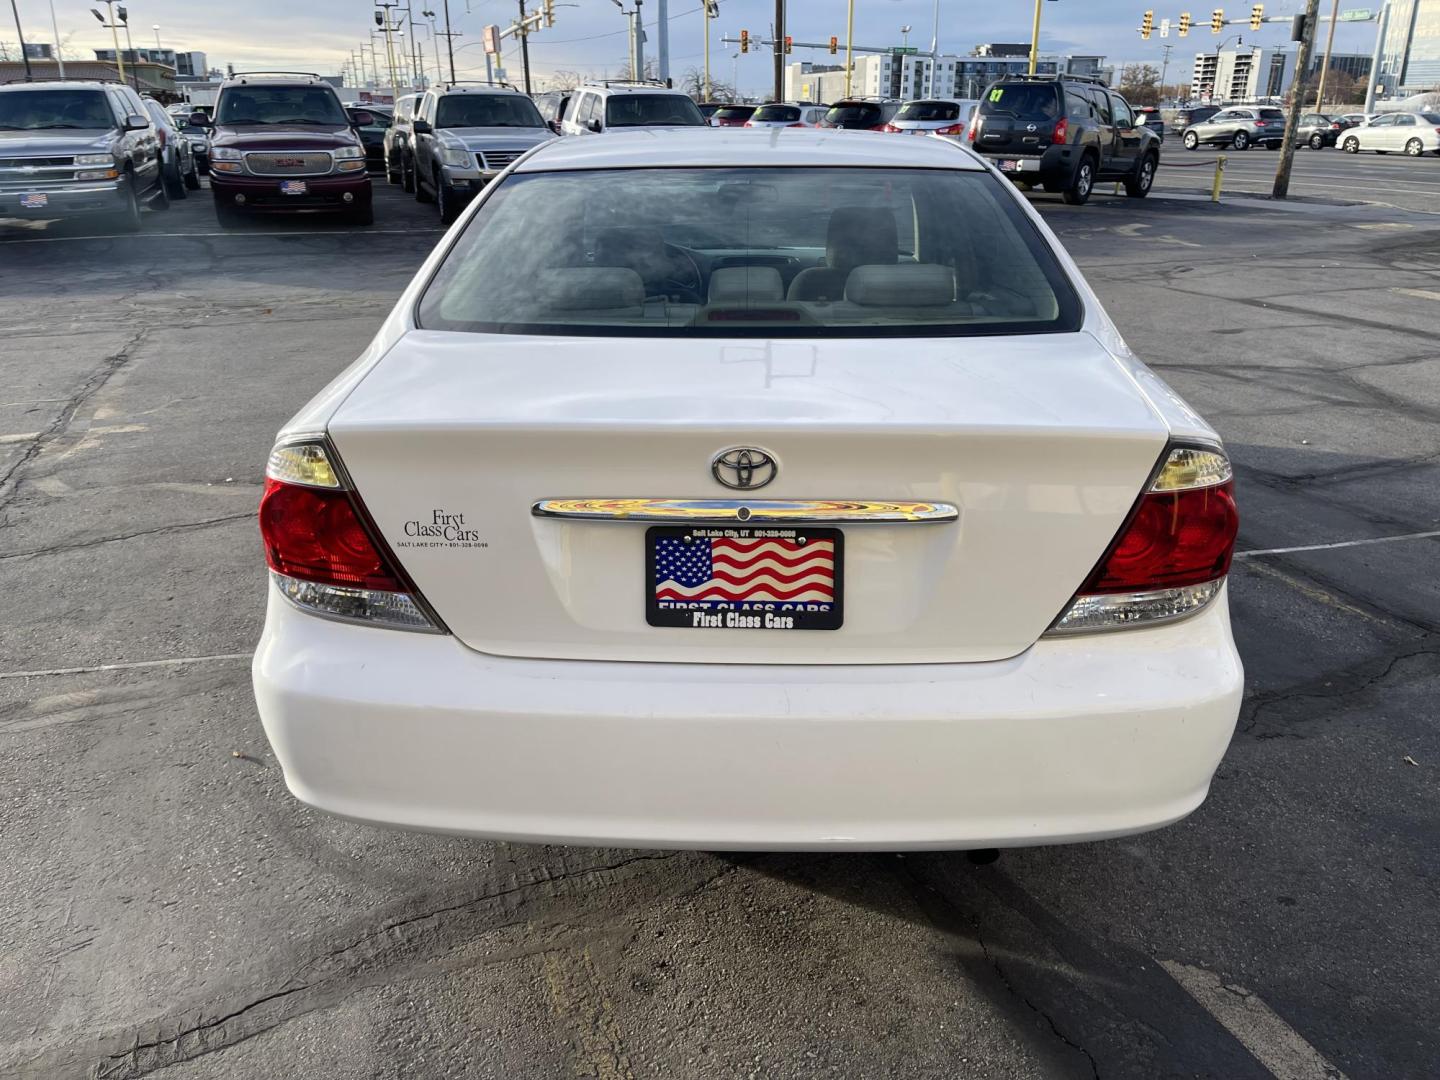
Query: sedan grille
x=283, y=164
x=495, y=160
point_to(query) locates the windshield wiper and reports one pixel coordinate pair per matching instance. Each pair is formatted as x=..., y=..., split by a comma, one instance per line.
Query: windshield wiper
x=307, y=120
x=51, y=127
x=233, y=123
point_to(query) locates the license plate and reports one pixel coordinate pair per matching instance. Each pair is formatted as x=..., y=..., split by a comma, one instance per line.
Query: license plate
x=34, y=202
x=293, y=187
x=1009, y=166
x=744, y=578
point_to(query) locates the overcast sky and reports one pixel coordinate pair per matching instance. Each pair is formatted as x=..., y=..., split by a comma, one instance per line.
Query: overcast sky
x=589, y=35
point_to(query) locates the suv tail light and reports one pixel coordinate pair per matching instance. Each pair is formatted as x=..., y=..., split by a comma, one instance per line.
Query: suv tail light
x=890, y=127
x=1173, y=552
x=796, y=123
x=953, y=129
x=323, y=555
x=1062, y=129
x=1259, y=123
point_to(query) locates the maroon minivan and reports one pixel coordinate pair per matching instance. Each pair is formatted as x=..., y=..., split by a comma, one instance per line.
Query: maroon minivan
x=283, y=144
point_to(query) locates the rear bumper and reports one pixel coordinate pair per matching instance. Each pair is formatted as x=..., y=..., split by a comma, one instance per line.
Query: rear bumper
x=1077, y=739
x=263, y=195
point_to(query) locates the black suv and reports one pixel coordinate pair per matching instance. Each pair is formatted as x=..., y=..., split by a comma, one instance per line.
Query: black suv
x=1066, y=133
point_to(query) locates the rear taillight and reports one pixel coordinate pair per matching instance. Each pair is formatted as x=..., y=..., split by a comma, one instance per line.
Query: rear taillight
x=953, y=129
x=1171, y=557
x=1336, y=127
x=890, y=127
x=322, y=554
x=974, y=127
x=1259, y=123
x=1062, y=129
x=749, y=124
x=797, y=123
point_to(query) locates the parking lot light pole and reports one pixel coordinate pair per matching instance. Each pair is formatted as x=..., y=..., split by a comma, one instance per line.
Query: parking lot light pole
x=449, y=41
x=1325, y=63
x=849, y=46
x=24, y=53
x=1035, y=39
x=114, y=33
x=779, y=46
x=1292, y=120
x=1380, y=31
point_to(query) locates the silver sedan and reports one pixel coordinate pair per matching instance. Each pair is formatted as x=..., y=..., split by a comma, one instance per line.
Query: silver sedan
x=1412, y=133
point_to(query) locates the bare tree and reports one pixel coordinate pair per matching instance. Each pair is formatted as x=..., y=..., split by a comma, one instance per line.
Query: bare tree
x=1140, y=84
x=565, y=79
x=693, y=83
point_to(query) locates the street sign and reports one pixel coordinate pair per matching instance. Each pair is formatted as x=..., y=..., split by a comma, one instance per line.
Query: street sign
x=1357, y=15
x=905, y=50
x=501, y=74
x=492, y=40
x=1164, y=27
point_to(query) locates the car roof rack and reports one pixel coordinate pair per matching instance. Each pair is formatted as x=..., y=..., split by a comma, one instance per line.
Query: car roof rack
x=449, y=83
x=241, y=76
x=1055, y=76
x=607, y=83
x=65, y=78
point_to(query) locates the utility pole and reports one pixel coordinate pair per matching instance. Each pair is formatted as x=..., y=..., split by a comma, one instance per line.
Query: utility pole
x=1325, y=64
x=449, y=41
x=849, y=46
x=1378, y=57
x=662, y=48
x=524, y=45
x=384, y=21
x=55, y=30
x=779, y=37
x=130, y=47
x=24, y=55
x=708, y=7
x=435, y=40
x=1302, y=64
x=114, y=33
x=1165, y=66
x=1035, y=39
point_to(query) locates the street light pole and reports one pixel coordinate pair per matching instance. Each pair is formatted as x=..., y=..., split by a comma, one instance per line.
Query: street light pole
x=24, y=53
x=449, y=41
x=55, y=31
x=1302, y=64
x=114, y=33
x=1378, y=57
x=849, y=46
x=1035, y=39
x=779, y=50
x=1325, y=64
x=130, y=48
x=705, y=19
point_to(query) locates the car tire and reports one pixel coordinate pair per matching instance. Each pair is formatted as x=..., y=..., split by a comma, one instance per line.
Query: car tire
x=127, y=219
x=228, y=216
x=1317, y=142
x=1191, y=141
x=174, y=183
x=407, y=174
x=1240, y=141
x=1351, y=145
x=447, y=202
x=1273, y=146
x=1414, y=148
x=161, y=199
x=421, y=195
x=192, y=178
x=392, y=176
x=1138, y=184
x=364, y=216
x=1082, y=183
x=1053, y=184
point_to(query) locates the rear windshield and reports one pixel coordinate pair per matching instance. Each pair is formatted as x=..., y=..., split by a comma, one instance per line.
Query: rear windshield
x=751, y=252
x=854, y=114
x=777, y=114
x=252, y=104
x=36, y=110
x=652, y=110
x=1271, y=114
x=1024, y=101
x=1430, y=117
x=487, y=110
x=734, y=112
x=929, y=110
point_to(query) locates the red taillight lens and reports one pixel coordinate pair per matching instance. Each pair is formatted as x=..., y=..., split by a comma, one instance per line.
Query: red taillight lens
x=797, y=123
x=316, y=535
x=1175, y=538
x=1259, y=123
x=953, y=129
x=1062, y=129
x=889, y=127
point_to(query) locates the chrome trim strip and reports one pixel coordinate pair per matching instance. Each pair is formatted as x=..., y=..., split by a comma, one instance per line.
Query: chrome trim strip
x=748, y=511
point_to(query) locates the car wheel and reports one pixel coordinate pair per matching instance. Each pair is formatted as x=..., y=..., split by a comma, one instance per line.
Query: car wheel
x=192, y=178
x=364, y=216
x=421, y=195
x=407, y=174
x=392, y=176
x=161, y=199
x=1316, y=142
x=174, y=183
x=228, y=216
x=1081, y=184
x=1191, y=141
x=1273, y=146
x=446, y=201
x=1414, y=148
x=1351, y=145
x=127, y=218
x=1241, y=141
x=1138, y=185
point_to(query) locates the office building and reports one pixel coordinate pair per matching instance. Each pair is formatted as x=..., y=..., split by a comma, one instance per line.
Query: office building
x=189, y=65
x=147, y=77
x=1241, y=74
x=1410, y=59
x=904, y=76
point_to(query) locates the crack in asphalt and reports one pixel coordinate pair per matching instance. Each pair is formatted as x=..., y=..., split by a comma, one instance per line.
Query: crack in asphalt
x=142, y=1059
x=92, y=384
x=79, y=545
x=1321, y=688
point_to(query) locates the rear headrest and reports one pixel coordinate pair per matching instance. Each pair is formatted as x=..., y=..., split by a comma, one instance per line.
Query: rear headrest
x=746, y=285
x=906, y=285
x=589, y=288
x=861, y=236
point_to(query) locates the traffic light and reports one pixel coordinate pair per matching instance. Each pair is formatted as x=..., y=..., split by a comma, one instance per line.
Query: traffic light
x=1184, y=30
x=379, y=19
x=744, y=40
x=1147, y=25
x=834, y=44
x=124, y=15
x=1257, y=16
x=789, y=41
x=1217, y=21
x=549, y=12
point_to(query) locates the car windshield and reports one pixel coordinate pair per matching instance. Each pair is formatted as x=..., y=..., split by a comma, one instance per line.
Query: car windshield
x=32, y=110
x=652, y=110
x=854, y=114
x=255, y=104
x=1024, y=101
x=777, y=114
x=751, y=252
x=1271, y=114
x=487, y=110
x=929, y=110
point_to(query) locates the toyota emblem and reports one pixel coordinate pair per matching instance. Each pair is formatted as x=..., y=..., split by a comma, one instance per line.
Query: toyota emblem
x=743, y=467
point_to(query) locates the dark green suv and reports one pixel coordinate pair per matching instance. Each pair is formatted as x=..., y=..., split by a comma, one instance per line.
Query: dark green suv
x=1065, y=133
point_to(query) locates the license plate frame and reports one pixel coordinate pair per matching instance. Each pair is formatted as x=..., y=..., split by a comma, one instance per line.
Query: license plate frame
x=771, y=614
x=1009, y=165
x=294, y=187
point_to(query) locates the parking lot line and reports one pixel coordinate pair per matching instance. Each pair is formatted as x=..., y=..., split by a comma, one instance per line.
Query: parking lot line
x=235, y=233
x=1339, y=544
x=1272, y=1042
x=133, y=665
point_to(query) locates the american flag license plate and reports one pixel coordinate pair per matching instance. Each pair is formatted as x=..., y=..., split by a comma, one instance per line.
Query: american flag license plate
x=293, y=187
x=744, y=578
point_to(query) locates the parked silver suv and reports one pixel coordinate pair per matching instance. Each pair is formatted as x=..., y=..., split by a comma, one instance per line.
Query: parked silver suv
x=78, y=148
x=463, y=136
x=1240, y=127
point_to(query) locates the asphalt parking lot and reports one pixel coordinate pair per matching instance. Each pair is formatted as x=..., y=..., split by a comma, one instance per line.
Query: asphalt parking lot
x=167, y=908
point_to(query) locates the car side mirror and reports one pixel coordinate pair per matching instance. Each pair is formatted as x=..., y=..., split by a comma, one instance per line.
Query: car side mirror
x=136, y=122
x=553, y=125
x=198, y=119
x=422, y=127
x=593, y=125
x=361, y=118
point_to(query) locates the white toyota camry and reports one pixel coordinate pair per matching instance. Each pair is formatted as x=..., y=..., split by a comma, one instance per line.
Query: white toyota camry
x=750, y=490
